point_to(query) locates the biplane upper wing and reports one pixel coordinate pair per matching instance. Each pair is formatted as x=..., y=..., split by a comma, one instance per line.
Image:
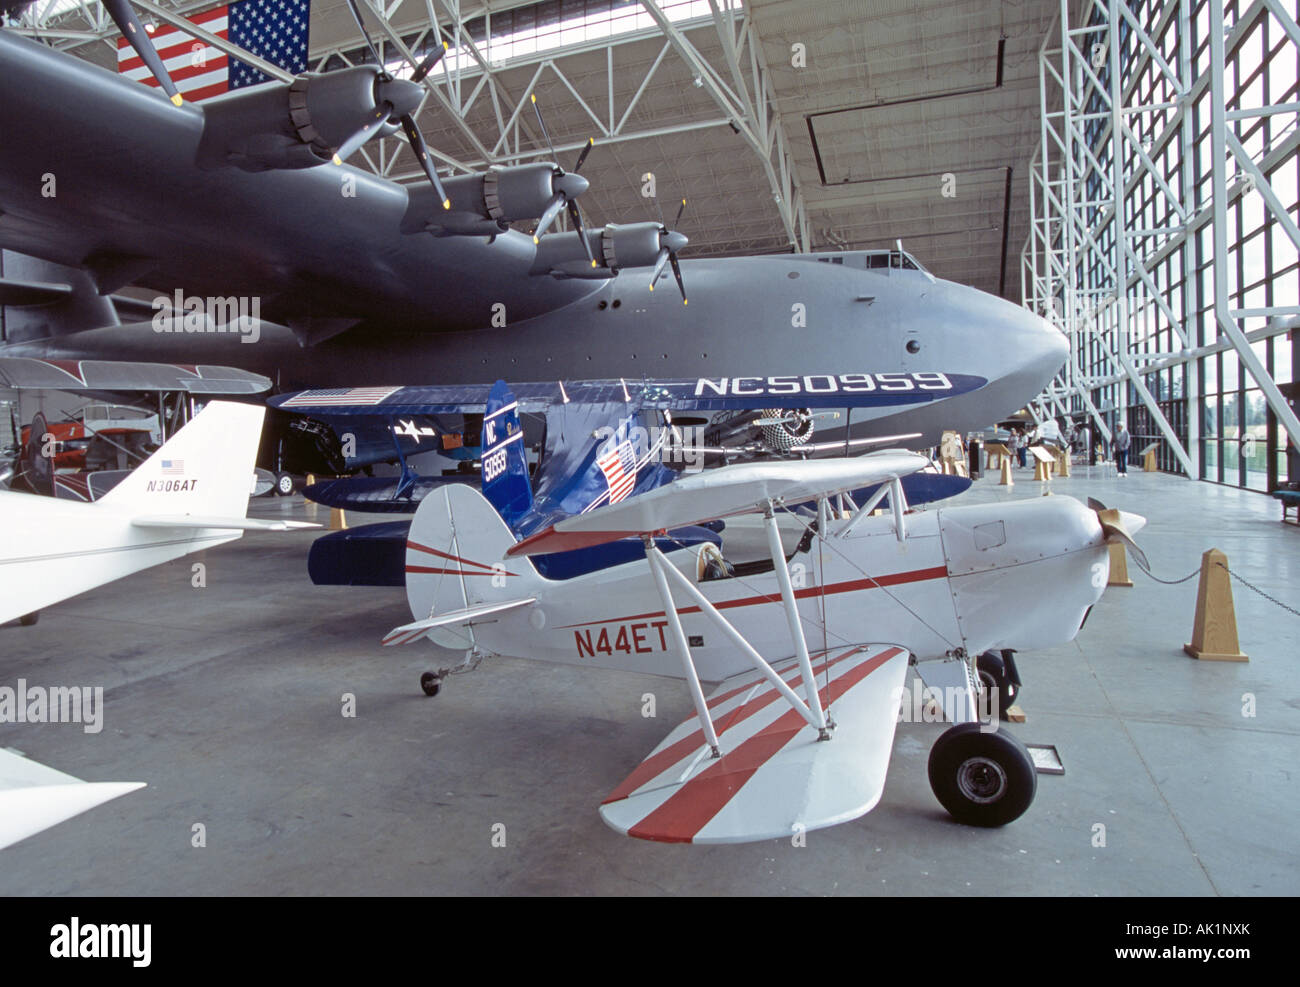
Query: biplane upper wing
x=774, y=777
x=719, y=493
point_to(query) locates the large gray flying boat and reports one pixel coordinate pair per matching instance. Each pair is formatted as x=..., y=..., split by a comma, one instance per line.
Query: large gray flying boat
x=357, y=280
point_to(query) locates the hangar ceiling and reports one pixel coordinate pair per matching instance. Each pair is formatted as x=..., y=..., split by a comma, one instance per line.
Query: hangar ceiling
x=786, y=124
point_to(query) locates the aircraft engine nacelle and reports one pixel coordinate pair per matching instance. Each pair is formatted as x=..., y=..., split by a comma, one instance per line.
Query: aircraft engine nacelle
x=614, y=247
x=632, y=245
x=487, y=203
x=300, y=124
x=1023, y=575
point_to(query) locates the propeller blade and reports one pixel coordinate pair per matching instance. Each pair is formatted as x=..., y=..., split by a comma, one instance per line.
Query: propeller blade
x=575, y=214
x=660, y=261
x=677, y=273
x=422, y=155
x=429, y=63
x=591, y=142
x=1112, y=525
x=552, y=210
x=134, y=32
x=1095, y=504
x=680, y=209
x=542, y=123
x=356, y=16
x=349, y=146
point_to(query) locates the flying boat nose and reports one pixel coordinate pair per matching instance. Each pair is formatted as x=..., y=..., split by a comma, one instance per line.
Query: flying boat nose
x=1017, y=351
x=1037, y=347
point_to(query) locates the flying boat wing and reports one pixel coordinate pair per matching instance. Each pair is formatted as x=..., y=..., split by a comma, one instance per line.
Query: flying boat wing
x=23, y=373
x=774, y=778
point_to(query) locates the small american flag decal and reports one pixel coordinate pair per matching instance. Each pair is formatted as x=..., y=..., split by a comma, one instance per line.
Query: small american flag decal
x=619, y=467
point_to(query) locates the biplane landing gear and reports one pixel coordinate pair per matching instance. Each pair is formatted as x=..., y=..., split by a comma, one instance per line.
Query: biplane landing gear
x=431, y=683
x=982, y=779
x=997, y=671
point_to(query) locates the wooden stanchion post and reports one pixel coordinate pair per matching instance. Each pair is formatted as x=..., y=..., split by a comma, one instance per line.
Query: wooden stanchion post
x=1214, y=629
x=1118, y=566
x=338, y=520
x=1007, y=479
x=1064, y=463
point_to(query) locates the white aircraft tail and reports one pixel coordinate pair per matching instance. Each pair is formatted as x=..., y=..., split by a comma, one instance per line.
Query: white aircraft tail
x=456, y=568
x=204, y=469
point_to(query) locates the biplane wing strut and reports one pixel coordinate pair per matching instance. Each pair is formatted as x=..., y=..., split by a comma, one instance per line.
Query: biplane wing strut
x=665, y=572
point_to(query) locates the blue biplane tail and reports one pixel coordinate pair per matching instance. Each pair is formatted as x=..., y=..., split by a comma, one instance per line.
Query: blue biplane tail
x=506, y=484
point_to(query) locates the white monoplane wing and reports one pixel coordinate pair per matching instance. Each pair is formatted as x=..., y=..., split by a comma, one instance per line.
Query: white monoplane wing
x=34, y=797
x=718, y=493
x=775, y=777
x=218, y=521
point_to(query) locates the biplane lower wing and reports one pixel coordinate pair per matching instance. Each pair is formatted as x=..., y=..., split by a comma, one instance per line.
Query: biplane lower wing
x=774, y=777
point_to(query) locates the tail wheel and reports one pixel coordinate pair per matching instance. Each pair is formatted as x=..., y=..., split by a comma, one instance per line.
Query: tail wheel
x=431, y=683
x=283, y=484
x=794, y=428
x=982, y=779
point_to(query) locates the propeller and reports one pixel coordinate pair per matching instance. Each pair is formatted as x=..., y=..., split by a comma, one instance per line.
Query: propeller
x=127, y=22
x=568, y=185
x=670, y=241
x=396, y=98
x=1114, y=524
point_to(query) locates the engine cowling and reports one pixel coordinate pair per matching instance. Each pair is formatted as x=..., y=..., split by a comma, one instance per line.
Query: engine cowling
x=300, y=124
x=631, y=245
x=482, y=204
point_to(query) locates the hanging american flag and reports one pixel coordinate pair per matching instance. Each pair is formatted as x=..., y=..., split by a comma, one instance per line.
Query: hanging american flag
x=619, y=467
x=275, y=30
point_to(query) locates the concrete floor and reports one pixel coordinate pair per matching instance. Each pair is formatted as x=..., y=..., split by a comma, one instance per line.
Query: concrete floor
x=227, y=701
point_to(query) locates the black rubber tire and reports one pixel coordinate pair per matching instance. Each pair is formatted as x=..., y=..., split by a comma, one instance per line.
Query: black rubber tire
x=283, y=484
x=993, y=675
x=430, y=683
x=982, y=779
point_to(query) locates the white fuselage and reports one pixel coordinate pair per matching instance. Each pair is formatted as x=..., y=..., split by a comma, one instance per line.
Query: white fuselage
x=53, y=549
x=963, y=578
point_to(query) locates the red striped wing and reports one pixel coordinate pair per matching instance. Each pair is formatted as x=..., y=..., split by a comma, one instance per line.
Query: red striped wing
x=774, y=777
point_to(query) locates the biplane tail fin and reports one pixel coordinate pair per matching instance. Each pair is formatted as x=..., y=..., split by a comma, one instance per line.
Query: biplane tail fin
x=506, y=484
x=455, y=563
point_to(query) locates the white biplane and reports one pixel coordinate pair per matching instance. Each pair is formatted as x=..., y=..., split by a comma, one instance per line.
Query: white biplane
x=810, y=645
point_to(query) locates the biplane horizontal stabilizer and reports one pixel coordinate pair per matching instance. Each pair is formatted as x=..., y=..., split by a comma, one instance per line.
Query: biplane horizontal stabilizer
x=774, y=778
x=410, y=633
